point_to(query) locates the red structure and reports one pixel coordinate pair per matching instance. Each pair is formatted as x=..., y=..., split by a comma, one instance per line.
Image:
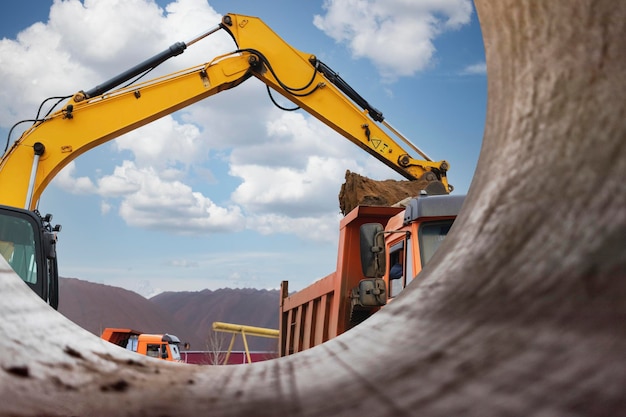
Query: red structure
x=213, y=358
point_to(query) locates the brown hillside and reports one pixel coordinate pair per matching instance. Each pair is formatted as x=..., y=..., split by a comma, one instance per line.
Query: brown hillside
x=188, y=315
x=96, y=306
x=247, y=306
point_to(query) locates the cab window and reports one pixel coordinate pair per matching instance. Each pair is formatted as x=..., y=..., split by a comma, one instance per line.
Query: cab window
x=400, y=267
x=17, y=246
x=133, y=342
x=431, y=234
x=175, y=352
x=153, y=350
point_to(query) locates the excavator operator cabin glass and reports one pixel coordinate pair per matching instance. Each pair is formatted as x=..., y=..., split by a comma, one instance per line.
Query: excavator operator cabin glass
x=17, y=246
x=431, y=234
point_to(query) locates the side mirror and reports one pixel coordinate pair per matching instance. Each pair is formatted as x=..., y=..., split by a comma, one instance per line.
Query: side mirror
x=370, y=293
x=372, y=250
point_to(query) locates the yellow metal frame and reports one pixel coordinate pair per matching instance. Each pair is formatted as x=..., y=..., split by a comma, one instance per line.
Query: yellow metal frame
x=243, y=330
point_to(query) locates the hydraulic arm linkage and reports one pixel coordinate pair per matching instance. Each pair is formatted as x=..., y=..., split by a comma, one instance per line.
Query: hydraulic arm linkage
x=93, y=117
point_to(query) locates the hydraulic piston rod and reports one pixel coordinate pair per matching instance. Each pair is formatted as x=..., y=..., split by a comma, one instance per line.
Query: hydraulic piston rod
x=39, y=149
x=174, y=50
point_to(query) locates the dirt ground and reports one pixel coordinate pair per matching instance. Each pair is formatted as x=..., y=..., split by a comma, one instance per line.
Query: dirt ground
x=359, y=190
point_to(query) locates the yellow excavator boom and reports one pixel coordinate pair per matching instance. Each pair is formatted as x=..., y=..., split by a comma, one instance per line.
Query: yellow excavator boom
x=92, y=118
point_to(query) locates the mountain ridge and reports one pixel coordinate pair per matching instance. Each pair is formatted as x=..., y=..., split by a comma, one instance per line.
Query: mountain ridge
x=186, y=314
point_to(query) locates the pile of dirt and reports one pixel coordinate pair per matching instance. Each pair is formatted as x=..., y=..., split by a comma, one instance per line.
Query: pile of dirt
x=359, y=190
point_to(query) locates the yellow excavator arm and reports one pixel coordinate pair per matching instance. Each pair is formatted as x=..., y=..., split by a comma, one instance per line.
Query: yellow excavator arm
x=96, y=116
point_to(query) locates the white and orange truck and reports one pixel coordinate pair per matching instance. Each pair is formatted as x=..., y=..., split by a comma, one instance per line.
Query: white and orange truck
x=159, y=346
x=374, y=242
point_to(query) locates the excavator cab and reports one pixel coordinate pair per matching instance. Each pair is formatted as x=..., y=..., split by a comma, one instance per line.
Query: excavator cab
x=28, y=245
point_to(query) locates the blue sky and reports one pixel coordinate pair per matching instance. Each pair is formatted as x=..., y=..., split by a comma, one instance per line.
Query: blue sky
x=232, y=192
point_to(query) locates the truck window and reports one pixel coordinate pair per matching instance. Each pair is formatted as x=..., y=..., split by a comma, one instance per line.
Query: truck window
x=133, y=342
x=153, y=350
x=431, y=234
x=175, y=351
x=400, y=269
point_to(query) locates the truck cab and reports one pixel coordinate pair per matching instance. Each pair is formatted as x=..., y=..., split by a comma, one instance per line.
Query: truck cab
x=158, y=346
x=381, y=251
x=413, y=236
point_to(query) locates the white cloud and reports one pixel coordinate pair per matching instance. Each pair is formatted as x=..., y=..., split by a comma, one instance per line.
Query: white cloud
x=165, y=143
x=105, y=207
x=290, y=140
x=321, y=228
x=289, y=178
x=114, y=33
x=290, y=191
x=152, y=202
x=75, y=185
x=397, y=35
x=179, y=211
x=87, y=42
x=295, y=171
x=124, y=181
x=234, y=118
x=98, y=31
x=479, y=68
x=182, y=263
x=146, y=289
x=35, y=66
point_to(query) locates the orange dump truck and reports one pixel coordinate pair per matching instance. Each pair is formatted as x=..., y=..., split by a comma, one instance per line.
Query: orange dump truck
x=160, y=346
x=381, y=250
